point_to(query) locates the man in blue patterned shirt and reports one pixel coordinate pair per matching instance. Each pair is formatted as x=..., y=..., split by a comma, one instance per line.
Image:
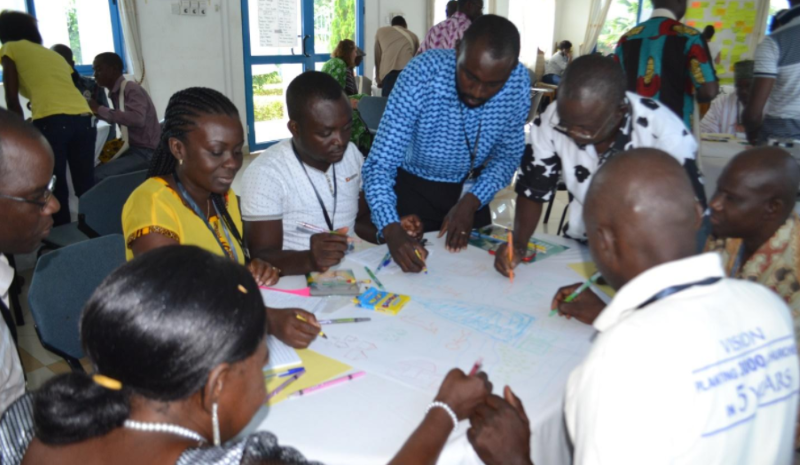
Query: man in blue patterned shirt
x=450, y=139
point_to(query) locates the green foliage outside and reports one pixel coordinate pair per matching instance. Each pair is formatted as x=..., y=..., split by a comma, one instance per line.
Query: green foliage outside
x=267, y=110
x=343, y=25
x=74, y=33
x=614, y=28
x=264, y=84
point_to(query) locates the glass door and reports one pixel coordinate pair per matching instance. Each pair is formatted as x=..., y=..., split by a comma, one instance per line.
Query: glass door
x=282, y=39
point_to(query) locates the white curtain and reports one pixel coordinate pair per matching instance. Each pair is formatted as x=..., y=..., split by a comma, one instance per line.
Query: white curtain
x=133, y=42
x=597, y=18
x=535, y=20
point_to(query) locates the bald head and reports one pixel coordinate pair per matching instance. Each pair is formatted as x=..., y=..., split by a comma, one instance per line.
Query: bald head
x=640, y=212
x=755, y=194
x=14, y=130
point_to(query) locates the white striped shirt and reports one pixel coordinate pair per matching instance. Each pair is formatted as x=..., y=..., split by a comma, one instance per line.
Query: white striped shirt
x=778, y=57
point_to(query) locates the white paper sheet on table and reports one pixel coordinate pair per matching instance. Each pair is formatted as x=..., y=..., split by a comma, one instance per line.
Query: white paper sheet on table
x=276, y=299
x=373, y=256
x=281, y=356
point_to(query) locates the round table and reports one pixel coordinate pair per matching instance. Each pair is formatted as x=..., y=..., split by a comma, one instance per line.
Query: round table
x=461, y=311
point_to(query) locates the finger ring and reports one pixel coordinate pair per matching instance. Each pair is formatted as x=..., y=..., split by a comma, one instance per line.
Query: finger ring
x=463, y=233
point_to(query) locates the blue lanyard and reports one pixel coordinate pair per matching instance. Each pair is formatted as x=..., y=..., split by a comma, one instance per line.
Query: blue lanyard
x=737, y=265
x=199, y=213
x=676, y=289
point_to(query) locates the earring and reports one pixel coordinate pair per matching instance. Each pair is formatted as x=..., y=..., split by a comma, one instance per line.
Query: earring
x=215, y=424
x=180, y=161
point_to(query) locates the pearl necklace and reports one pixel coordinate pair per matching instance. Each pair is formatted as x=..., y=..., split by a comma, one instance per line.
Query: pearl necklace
x=164, y=428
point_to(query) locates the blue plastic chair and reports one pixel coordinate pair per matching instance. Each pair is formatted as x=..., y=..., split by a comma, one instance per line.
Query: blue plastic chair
x=99, y=210
x=62, y=284
x=371, y=110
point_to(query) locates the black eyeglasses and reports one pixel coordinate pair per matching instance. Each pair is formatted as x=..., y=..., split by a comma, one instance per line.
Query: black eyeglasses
x=48, y=194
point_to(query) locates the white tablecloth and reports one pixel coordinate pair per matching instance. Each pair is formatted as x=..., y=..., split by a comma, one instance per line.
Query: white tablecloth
x=367, y=421
x=103, y=129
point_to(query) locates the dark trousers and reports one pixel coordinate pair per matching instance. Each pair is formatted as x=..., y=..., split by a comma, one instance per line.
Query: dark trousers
x=389, y=82
x=72, y=138
x=431, y=200
x=554, y=79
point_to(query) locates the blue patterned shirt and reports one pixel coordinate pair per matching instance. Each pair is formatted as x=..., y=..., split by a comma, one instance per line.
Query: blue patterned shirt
x=426, y=127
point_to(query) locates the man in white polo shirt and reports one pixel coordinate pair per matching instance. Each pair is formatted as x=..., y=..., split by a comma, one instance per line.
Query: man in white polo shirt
x=302, y=197
x=688, y=366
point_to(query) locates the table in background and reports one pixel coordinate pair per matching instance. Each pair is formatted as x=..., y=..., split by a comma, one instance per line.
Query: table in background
x=103, y=129
x=367, y=421
x=714, y=156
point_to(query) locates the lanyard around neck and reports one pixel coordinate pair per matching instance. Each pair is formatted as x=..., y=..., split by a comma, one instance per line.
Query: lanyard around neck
x=328, y=219
x=473, y=151
x=676, y=289
x=186, y=197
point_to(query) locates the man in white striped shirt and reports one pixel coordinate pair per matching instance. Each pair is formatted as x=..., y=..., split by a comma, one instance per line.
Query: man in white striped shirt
x=725, y=114
x=777, y=82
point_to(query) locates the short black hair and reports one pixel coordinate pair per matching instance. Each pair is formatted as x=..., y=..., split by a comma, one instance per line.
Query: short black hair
x=463, y=3
x=64, y=51
x=399, y=21
x=158, y=324
x=16, y=25
x=110, y=59
x=500, y=35
x=13, y=123
x=564, y=44
x=709, y=31
x=602, y=76
x=307, y=87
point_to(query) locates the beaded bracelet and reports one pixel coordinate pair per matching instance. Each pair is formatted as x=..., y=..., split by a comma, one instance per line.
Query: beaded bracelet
x=446, y=408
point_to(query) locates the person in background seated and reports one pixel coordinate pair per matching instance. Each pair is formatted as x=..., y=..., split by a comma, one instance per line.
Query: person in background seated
x=395, y=46
x=450, y=139
x=632, y=401
x=714, y=48
x=593, y=120
x=340, y=67
x=176, y=339
x=27, y=204
x=668, y=61
x=59, y=110
x=139, y=117
x=754, y=225
x=314, y=178
x=557, y=64
x=446, y=34
x=725, y=114
x=774, y=108
x=187, y=198
x=451, y=8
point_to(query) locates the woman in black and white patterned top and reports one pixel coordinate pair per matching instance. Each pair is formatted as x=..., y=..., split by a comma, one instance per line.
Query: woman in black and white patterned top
x=176, y=340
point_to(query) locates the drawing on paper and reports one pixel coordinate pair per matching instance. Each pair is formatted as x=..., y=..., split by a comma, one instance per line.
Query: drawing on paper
x=499, y=324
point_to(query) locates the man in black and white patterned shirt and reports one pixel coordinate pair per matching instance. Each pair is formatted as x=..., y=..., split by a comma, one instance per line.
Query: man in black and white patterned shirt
x=593, y=119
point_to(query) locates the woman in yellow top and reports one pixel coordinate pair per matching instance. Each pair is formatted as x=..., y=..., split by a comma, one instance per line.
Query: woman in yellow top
x=59, y=110
x=187, y=198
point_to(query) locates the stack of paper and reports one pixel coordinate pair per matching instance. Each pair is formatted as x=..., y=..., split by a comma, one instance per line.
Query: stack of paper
x=282, y=358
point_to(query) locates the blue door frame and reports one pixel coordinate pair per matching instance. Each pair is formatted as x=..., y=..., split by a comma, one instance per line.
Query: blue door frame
x=307, y=22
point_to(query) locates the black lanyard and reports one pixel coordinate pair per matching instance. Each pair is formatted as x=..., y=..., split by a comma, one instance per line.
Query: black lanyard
x=319, y=198
x=676, y=289
x=473, y=151
x=193, y=205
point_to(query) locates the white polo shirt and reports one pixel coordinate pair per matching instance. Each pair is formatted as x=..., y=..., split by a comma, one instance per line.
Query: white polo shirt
x=12, y=381
x=708, y=375
x=277, y=188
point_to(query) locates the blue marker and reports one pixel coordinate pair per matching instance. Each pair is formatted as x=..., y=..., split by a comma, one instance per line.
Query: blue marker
x=386, y=260
x=288, y=373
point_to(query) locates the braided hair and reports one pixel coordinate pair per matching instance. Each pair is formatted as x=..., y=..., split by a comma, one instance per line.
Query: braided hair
x=183, y=109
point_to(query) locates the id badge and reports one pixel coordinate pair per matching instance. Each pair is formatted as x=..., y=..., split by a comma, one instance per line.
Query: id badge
x=467, y=187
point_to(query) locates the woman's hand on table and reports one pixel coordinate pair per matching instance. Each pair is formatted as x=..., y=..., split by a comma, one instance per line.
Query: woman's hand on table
x=286, y=326
x=464, y=393
x=584, y=308
x=264, y=273
x=500, y=431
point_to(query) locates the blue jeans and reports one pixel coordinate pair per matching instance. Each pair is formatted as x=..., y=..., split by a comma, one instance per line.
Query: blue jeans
x=72, y=138
x=554, y=79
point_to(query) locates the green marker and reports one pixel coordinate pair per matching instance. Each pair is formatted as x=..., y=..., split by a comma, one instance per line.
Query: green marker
x=577, y=292
x=374, y=278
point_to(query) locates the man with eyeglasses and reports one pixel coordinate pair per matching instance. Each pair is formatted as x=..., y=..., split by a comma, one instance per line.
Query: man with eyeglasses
x=594, y=118
x=26, y=208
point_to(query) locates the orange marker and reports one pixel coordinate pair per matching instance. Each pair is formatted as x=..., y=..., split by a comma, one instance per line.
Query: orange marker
x=511, y=255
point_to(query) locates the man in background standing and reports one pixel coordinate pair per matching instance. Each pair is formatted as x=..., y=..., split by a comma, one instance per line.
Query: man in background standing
x=395, y=46
x=446, y=34
x=557, y=64
x=668, y=61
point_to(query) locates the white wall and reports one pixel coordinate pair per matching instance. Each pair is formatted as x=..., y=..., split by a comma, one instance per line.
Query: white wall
x=572, y=17
x=187, y=51
x=377, y=14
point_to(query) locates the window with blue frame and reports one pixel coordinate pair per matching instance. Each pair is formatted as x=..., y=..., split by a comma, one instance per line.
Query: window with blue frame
x=88, y=27
x=622, y=16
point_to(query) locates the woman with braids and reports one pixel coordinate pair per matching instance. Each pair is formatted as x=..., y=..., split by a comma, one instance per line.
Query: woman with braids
x=176, y=342
x=187, y=198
